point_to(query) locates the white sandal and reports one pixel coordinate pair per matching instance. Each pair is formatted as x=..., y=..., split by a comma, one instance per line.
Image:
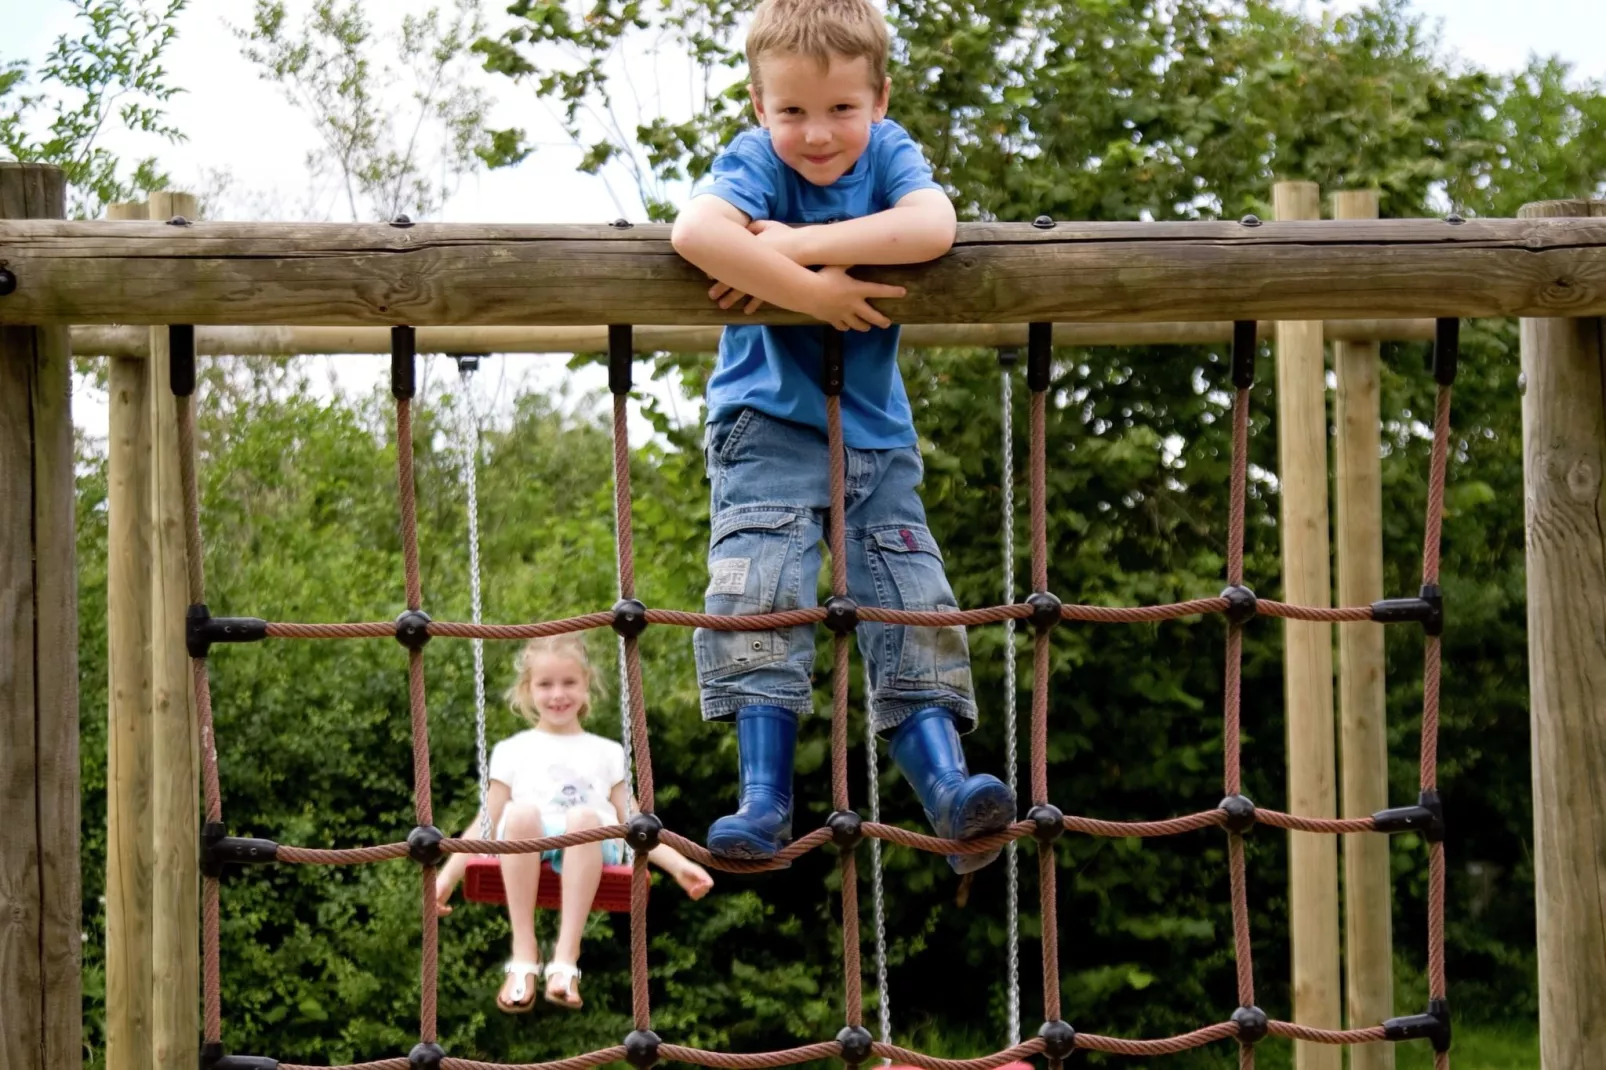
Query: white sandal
x=522, y=995
x=566, y=973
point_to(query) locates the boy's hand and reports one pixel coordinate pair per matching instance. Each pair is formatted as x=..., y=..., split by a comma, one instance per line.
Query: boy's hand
x=844, y=301
x=779, y=236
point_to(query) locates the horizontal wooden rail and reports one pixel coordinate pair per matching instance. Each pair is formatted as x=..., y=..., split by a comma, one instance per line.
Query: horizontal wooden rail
x=460, y=274
x=322, y=341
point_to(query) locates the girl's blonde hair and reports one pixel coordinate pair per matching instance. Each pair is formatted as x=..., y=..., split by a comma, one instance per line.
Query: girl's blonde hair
x=564, y=646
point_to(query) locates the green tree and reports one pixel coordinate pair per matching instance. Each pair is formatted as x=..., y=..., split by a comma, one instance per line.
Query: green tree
x=107, y=76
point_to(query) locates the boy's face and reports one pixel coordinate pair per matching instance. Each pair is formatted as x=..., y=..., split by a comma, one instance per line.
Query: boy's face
x=819, y=120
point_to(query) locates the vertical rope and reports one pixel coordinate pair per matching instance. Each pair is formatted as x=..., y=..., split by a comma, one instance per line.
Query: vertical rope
x=1011, y=749
x=1432, y=533
x=1232, y=774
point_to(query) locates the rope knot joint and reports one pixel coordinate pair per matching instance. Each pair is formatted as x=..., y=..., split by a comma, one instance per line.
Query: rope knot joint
x=1426, y=609
x=426, y=1057
x=855, y=1041
x=1242, y=605
x=641, y=1048
x=213, y=1058
x=643, y=831
x=847, y=829
x=412, y=629
x=219, y=849
x=629, y=617
x=1240, y=813
x=1048, y=821
x=424, y=845
x=841, y=614
x=1059, y=1039
x=1433, y=1026
x=8, y=282
x=1045, y=610
x=1252, y=1024
x=201, y=630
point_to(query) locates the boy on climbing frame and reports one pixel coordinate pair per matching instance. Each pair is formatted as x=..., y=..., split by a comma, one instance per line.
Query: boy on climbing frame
x=827, y=182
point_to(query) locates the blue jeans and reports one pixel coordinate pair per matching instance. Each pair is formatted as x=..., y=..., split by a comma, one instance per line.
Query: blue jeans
x=769, y=497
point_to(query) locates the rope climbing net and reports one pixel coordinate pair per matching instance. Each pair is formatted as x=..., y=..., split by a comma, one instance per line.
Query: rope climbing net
x=1044, y=823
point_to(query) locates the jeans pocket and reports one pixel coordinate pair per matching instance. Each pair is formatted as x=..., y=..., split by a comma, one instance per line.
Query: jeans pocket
x=754, y=566
x=924, y=657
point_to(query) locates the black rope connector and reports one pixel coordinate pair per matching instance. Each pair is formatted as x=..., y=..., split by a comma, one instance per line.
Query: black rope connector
x=1045, y=610
x=1044, y=222
x=1008, y=356
x=641, y=1046
x=1059, y=1039
x=1039, y=355
x=178, y=221
x=201, y=630
x=403, y=358
x=1252, y=1025
x=847, y=829
x=424, y=845
x=621, y=357
x=181, y=359
x=1048, y=822
x=1433, y=1026
x=1245, y=347
x=1426, y=817
x=642, y=831
x=402, y=221
x=1426, y=609
x=832, y=370
x=622, y=224
x=1455, y=219
x=467, y=363
x=412, y=629
x=426, y=1057
x=629, y=617
x=1242, y=605
x=219, y=849
x=211, y=1052
x=841, y=614
x=1240, y=813
x=8, y=282
x=1250, y=220
x=1446, y=350
x=213, y=1058
x=855, y=1041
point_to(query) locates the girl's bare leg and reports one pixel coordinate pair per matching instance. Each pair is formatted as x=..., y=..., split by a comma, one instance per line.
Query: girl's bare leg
x=450, y=874
x=521, y=876
x=582, y=872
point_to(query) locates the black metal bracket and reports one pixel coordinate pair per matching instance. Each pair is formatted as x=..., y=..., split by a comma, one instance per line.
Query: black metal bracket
x=1039, y=355
x=201, y=630
x=1426, y=609
x=8, y=282
x=1433, y=1026
x=219, y=849
x=181, y=359
x=833, y=369
x=214, y=1058
x=621, y=357
x=1008, y=357
x=1446, y=350
x=1426, y=817
x=1245, y=347
x=403, y=362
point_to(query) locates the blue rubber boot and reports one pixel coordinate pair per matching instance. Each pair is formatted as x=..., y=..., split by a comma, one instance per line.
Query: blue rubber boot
x=766, y=740
x=958, y=805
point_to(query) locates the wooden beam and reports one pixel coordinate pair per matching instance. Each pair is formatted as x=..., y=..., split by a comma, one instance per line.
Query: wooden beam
x=1308, y=661
x=128, y=730
x=1564, y=469
x=458, y=274
x=1363, y=736
x=40, y=896
x=175, y=737
x=328, y=341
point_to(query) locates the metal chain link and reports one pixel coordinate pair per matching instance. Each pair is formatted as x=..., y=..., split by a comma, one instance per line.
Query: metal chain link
x=873, y=762
x=471, y=461
x=1011, y=757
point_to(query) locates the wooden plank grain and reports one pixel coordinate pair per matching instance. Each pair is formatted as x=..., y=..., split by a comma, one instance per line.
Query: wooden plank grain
x=457, y=274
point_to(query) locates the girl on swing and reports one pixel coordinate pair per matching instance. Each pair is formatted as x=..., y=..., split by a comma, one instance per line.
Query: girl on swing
x=552, y=778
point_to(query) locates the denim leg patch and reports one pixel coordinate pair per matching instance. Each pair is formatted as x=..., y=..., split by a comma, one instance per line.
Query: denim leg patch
x=907, y=559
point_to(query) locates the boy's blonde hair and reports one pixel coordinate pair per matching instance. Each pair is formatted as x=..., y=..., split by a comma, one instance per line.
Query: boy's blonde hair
x=819, y=29
x=563, y=646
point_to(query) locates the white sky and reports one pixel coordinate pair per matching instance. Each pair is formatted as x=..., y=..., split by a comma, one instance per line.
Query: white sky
x=239, y=123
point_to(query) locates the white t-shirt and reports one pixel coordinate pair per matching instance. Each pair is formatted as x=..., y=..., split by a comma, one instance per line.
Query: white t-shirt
x=560, y=772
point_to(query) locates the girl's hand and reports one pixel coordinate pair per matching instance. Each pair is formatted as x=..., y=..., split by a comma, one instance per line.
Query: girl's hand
x=693, y=879
x=443, y=896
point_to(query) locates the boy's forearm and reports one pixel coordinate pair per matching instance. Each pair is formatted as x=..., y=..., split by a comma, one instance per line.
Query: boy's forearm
x=899, y=235
x=727, y=251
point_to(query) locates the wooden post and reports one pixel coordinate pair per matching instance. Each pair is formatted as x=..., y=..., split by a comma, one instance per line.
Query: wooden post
x=128, y=731
x=175, y=740
x=40, y=943
x=1363, y=737
x=1308, y=668
x=1564, y=458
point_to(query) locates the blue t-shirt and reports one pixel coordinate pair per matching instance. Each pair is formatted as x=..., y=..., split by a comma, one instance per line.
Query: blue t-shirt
x=777, y=370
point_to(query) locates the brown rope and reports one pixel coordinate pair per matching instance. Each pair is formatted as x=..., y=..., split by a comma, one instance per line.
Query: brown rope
x=1048, y=900
x=1339, y=826
x=1164, y=1046
x=1291, y=1031
x=542, y=630
x=529, y=847
x=353, y=856
x=1432, y=663
x=211, y=964
x=622, y=499
x=1232, y=715
x=578, y=1062
x=640, y=980
x=781, y=860
x=828, y=1049
x=380, y=1064
x=931, y=1062
x=1324, y=614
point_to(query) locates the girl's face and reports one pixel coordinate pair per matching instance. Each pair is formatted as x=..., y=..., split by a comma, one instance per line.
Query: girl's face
x=559, y=689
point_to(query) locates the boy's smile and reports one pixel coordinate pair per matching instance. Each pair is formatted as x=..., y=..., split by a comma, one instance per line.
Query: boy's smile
x=819, y=118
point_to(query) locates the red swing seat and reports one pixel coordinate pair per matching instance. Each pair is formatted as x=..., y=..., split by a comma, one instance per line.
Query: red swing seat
x=482, y=883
